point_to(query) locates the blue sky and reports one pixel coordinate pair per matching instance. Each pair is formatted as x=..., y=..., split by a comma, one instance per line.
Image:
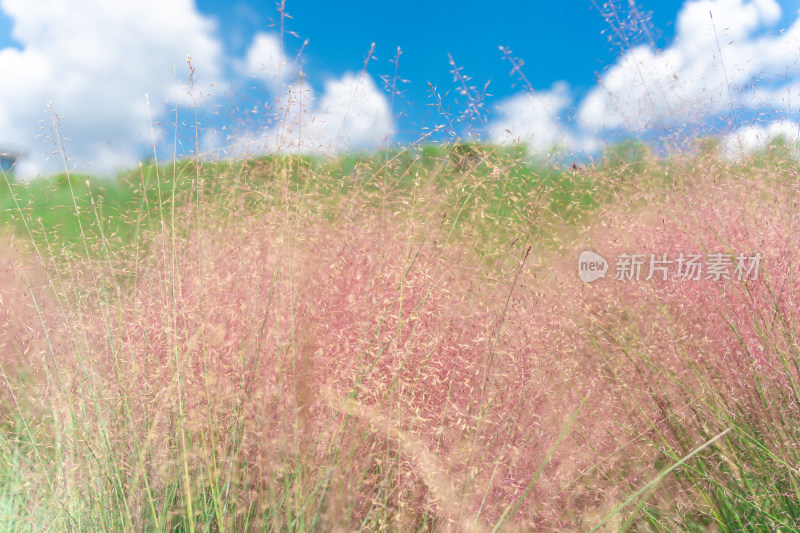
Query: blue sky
x=735, y=75
x=543, y=34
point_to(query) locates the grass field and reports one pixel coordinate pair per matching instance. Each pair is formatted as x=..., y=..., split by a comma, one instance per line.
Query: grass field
x=399, y=341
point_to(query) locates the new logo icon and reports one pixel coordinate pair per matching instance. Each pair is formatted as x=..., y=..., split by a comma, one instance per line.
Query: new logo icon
x=591, y=266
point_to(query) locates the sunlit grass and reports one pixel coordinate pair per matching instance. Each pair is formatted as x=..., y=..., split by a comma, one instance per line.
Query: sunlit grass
x=397, y=341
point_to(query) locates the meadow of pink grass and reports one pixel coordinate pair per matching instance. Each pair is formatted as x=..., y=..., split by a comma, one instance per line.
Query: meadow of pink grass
x=26, y=312
x=740, y=327
x=400, y=326
x=365, y=352
x=702, y=356
x=373, y=370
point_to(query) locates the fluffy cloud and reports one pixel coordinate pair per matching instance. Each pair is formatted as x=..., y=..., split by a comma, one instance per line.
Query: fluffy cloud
x=755, y=137
x=265, y=60
x=691, y=80
x=721, y=60
x=95, y=60
x=351, y=113
x=535, y=120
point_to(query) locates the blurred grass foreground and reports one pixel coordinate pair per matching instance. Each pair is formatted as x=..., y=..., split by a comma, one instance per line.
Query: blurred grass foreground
x=400, y=341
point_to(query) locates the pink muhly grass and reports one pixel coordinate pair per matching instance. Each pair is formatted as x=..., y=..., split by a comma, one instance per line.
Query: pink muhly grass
x=29, y=331
x=381, y=373
x=740, y=327
x=361, y=353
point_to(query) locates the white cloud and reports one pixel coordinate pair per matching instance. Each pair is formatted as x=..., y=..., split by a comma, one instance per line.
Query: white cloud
x=690, y=80
x=535, y=120
x=749, y=139
x=265, y=60
x=733, y=20
x=95, y=60
x=687, y=84
x=350, y=114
